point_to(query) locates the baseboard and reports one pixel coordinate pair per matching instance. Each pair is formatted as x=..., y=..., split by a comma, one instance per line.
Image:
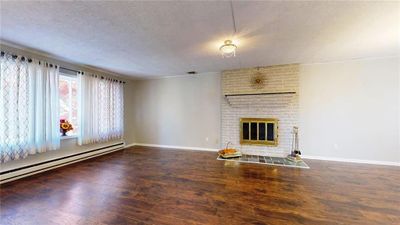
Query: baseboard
x=174, y=147
x=18, y=173
x=385, y=163
x=129, y=145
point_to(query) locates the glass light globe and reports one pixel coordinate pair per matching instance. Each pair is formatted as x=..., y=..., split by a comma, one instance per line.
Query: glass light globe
x=228, y=49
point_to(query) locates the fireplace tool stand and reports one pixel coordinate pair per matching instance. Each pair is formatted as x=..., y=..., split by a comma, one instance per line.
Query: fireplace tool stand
x=295, y=152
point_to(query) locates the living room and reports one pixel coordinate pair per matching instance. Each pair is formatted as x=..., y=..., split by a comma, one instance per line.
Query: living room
x=200, y=112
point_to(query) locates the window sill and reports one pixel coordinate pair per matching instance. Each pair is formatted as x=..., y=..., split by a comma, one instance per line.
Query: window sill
x=69, y=137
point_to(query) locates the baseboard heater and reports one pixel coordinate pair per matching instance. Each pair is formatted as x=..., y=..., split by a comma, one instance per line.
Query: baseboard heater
x=14, y=174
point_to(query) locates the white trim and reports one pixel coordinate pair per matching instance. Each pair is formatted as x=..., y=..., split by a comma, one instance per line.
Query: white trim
x=350, y=60
x=60, y=163
x=69, y=137
x=386, y=163
x=129, y=145
x=180, y=76
x=173, y=147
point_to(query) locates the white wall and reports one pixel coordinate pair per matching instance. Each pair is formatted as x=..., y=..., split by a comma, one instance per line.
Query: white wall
x=178, y=111
x=351, y=109
x=348, y=110
x=129, y=110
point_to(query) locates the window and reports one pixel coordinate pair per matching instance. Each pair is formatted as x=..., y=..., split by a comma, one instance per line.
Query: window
x=69, y=101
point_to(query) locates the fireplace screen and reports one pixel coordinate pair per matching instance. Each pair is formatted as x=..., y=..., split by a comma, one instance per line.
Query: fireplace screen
x=259, y=131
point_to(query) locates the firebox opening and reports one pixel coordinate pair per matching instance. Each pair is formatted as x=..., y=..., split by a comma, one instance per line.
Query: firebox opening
x=259, y=131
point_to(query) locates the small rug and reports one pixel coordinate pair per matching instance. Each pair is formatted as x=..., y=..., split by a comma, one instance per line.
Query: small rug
x=275, y=161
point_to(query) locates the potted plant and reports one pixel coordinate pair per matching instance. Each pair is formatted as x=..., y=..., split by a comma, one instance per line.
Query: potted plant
x=65, y=126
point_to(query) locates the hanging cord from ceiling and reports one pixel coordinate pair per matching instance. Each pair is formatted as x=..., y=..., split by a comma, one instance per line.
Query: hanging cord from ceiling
x=233, y=18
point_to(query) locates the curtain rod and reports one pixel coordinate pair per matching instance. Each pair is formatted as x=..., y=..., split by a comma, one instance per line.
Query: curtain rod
x=102, y=77
x=75, y=71
x=23, y=58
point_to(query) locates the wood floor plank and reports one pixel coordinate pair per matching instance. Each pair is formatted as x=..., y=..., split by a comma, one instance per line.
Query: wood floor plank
x=144, y=185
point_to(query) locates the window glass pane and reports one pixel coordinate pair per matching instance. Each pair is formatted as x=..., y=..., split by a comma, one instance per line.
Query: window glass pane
x=64, y=99
x=270, y=132
x=253, y=131
x=68, y=94
x=246, y=133
x=261, y=131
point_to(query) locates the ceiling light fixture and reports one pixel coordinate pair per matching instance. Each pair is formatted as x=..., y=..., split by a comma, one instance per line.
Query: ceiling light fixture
x=228, y=49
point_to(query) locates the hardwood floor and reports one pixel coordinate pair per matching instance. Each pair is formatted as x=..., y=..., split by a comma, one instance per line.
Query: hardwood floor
x=143, y=185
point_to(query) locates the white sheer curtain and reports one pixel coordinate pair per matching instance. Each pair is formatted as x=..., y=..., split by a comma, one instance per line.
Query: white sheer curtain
x=29, y=108
x=101, y=106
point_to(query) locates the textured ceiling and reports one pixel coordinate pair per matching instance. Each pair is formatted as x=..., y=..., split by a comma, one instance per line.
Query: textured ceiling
x=143, y=39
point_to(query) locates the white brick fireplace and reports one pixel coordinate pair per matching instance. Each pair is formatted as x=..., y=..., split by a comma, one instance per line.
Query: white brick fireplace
x=265, y=92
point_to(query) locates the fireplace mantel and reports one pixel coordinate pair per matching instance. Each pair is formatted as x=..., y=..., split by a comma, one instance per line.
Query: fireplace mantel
x=263, y=93
x=260, y=101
